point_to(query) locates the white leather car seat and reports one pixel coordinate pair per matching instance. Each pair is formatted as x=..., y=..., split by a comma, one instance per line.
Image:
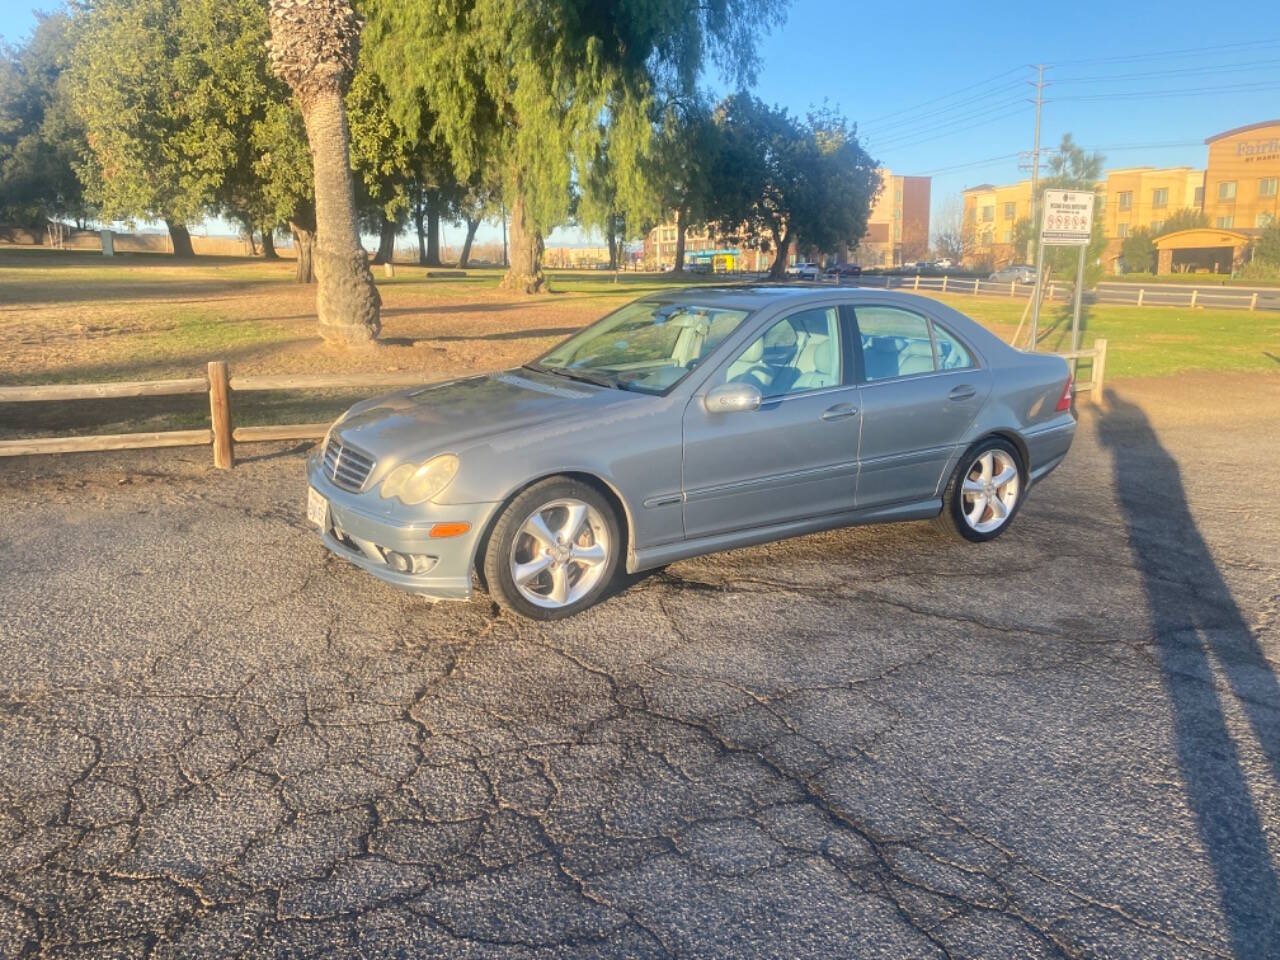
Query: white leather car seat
x=751, y=368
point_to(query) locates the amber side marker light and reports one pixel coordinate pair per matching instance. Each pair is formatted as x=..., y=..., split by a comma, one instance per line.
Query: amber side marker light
x=441, y=530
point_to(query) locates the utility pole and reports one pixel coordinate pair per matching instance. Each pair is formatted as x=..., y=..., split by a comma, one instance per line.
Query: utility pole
x=1035, y=158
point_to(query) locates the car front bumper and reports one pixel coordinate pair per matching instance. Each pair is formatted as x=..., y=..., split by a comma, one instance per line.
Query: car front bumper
x=355, y=532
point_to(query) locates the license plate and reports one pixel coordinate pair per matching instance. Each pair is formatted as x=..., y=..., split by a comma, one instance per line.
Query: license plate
x=317, y=508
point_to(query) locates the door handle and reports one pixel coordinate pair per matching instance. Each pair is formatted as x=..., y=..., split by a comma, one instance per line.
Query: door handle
x=962, y=392
x=839, y=411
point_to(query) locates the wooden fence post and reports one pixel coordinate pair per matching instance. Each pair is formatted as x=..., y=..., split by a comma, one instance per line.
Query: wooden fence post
x=1099, y=370
x=976, y=281
x=1141, y=293
x=944, y=284
x=1052, y=284
x=1013, y=287
x=1253, y=302
x=1194, y=295
x=917, y=283
x=388, y=269
x=220, y=414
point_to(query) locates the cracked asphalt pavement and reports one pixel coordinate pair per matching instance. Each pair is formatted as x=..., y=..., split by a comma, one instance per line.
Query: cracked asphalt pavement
x=218, y=741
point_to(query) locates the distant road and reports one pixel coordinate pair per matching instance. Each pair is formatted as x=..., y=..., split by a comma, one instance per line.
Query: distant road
x=1179, y=294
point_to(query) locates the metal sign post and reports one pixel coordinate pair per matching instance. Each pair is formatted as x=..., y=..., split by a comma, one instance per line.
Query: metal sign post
x=1039, y=292
x=1075, y=314
x=1067, y=222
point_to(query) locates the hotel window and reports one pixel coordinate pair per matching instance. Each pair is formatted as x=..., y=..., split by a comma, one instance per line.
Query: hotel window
x=1159, y=198
x=1157, y=226
x=1225, y=222
x=1267, y=186
x=1010, y=210
x=1227, y=190
x=1122, y=229
x=988, y=214
x=1125, y=200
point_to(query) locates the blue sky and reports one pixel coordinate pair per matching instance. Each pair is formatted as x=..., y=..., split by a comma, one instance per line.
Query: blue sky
x=942, y=90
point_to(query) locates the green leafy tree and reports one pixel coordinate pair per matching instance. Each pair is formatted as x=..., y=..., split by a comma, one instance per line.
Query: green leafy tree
x=40, y=137
x=684, y=157
x=1138, y=250
x=167, y=92
x=533, y=83
x=1266, y=248
x=776, y=179
x=1070, y=167
x=1187, y=218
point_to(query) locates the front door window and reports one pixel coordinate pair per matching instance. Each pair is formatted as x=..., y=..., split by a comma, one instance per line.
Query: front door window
x=797, y=354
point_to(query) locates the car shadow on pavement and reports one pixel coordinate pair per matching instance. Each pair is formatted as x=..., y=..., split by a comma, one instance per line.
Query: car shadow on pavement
x=1198, y=627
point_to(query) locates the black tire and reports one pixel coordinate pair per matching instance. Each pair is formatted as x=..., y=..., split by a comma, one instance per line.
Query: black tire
x=952, y=518
x=502, y=536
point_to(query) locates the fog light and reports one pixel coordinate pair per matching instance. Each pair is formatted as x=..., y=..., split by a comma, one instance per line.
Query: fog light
x=397, y=561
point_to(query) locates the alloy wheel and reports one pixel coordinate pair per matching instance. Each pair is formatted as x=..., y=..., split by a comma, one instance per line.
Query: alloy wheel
x=560, y=553
x=990, y=490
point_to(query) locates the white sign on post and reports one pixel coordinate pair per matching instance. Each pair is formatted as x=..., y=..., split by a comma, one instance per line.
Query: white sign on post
x=1068, y=218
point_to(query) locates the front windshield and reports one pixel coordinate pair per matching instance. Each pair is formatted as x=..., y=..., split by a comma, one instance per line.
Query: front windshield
x=645, y=346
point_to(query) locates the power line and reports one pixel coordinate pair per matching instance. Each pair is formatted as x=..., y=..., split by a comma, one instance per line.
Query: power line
x=1163, y=94
x=971, y=163
x=1179, y=71
x=1185, y=51
x=952, y=133
x=946, y=96
x=881, y=127
x=959, y=120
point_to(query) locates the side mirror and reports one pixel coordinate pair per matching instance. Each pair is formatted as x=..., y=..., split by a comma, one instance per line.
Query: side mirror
x=732, y=398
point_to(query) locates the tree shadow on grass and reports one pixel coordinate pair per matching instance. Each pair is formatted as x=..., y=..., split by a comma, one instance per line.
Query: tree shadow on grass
x=1198, y=628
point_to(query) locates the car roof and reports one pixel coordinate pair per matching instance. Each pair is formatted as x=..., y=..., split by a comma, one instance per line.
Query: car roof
x=752, y=296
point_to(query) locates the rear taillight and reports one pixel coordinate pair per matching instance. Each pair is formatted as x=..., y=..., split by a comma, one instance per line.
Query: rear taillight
x=1064, y=401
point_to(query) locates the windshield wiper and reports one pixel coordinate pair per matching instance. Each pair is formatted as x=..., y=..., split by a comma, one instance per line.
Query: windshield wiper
x=585, y=376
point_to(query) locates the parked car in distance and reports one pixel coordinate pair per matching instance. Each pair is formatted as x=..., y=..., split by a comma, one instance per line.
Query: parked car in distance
x=944, y=263
x=685, y=423
x=804, y=271
x=844, y=270
x=1015, y=273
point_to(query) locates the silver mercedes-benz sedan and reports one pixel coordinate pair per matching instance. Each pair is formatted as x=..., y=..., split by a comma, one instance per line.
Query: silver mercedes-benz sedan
x=688, y=422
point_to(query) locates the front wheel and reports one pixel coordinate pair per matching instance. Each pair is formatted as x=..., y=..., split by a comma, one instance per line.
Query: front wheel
x=553, y=550
x=984, y=492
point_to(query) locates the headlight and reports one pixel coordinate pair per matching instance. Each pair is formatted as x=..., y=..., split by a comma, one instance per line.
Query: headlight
x=413, y=483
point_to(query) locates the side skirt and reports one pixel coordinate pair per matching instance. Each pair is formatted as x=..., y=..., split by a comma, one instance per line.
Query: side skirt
x=682, y=550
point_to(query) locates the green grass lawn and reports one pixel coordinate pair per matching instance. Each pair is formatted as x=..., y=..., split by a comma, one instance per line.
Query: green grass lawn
x=1146, y=341
x=1189, y=279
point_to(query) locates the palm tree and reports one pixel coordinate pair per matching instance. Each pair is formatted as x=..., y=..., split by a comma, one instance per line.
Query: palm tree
x=313, y=47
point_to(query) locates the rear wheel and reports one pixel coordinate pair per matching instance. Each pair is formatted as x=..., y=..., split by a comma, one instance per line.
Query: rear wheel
x=553, y=550
x=984, y=492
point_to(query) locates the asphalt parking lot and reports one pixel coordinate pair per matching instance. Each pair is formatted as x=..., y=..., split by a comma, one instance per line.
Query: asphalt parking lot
x=218, y=741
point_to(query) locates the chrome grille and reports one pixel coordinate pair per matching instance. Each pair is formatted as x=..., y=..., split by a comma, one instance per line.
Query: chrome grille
x=345, y=465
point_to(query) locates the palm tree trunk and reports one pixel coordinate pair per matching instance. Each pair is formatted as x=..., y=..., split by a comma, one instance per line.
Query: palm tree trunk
x=525, y=273
x=180, y=237
x=472, y=227
x=347, y=300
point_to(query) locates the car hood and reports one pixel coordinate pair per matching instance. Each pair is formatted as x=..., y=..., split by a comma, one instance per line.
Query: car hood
x=447, y=417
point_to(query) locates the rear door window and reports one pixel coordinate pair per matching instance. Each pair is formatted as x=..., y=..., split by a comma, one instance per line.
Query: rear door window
x=895, y=342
